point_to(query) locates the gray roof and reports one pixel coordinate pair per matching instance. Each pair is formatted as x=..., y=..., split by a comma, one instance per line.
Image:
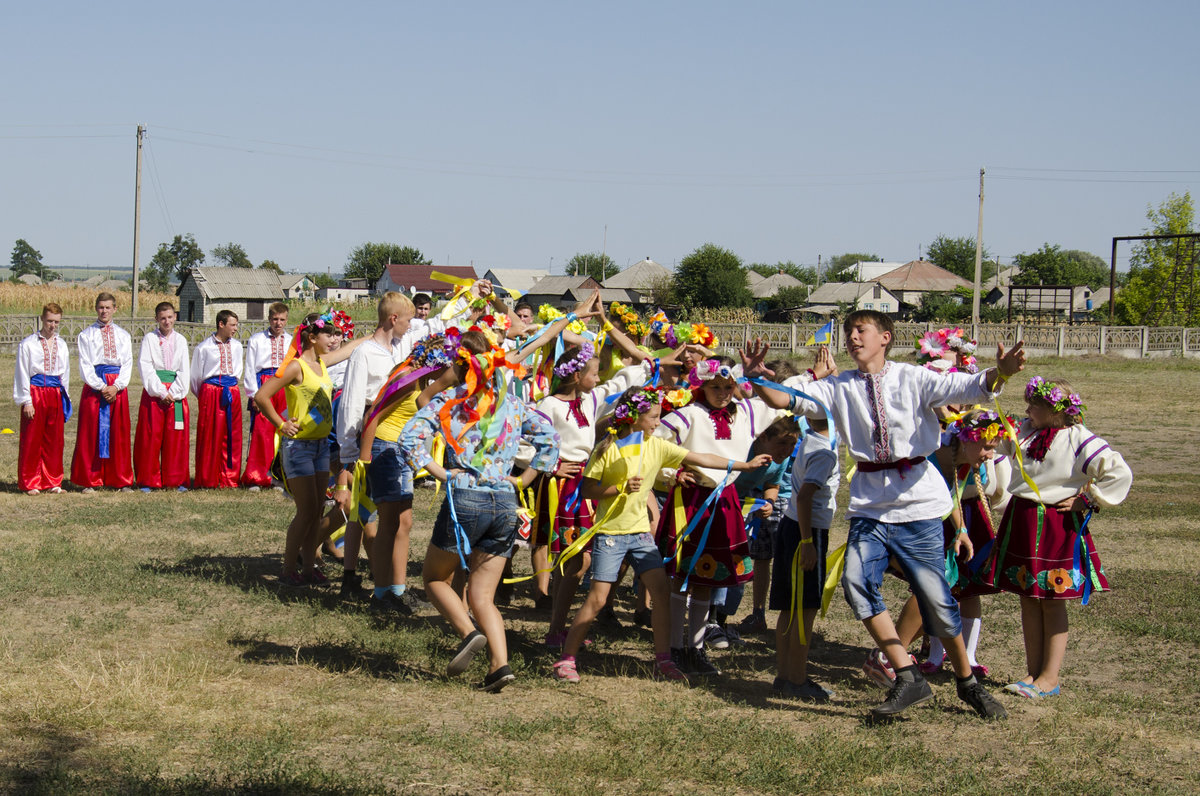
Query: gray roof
x=237, y=283
x=772, y=284
x=557, y=285
x=30, y=279
x=642, y=275
x=286, y=281
x=519, y=279
x=833, y=292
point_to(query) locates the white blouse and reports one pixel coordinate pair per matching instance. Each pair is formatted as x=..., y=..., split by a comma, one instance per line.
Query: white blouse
x=159, y=353
x=263, y=352
x=1077, y=461
x=694, y=428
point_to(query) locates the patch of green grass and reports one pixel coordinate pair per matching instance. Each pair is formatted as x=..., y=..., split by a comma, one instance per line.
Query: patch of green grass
x=1160, y=603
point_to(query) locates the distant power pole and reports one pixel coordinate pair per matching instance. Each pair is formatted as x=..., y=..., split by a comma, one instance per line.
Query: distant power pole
x=137, y=219
x=978, y=259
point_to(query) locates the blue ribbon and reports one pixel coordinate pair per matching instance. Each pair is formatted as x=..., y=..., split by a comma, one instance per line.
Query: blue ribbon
x=709, y=501
x=42, y=380
x=462, y=543
x=104, y=426
x=1082, y=560
x=226, y=383
x=798, y=394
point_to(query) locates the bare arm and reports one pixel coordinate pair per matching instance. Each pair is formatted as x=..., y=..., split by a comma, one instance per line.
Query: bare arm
x=262, y=399
x=715, y=462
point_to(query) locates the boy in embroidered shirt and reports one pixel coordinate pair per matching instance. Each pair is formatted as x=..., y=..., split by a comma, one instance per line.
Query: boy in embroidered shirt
x=216, y=370
x=160, y=447
x=884, y=412
x=102, y=451
x=265, y=352
x=41, y=386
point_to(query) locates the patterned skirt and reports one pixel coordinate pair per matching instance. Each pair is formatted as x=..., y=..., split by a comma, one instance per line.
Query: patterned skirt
x=572, y=516
x=725, y=559
x=1036, y=550
x=972, y=575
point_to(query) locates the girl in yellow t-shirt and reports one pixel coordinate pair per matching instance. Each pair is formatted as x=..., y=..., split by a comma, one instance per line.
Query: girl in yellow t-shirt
x=620, y=476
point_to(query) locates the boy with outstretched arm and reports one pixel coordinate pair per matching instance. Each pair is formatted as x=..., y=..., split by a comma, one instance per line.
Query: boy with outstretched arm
x=884, y=412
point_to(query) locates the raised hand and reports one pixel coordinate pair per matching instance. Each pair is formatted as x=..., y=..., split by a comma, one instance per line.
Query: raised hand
x=753, y=355
x=1010, y=362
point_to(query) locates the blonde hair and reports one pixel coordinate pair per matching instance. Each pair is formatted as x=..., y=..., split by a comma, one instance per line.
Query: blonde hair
x=395, y=303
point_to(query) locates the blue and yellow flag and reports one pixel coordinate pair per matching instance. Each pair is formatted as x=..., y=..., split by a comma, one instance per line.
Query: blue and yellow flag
x=822, y=336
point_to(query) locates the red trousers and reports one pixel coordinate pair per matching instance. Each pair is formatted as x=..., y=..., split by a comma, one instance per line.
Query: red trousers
x=218, y=454
x=160, y=451
x=87, y=468
x=262, y=443
x=40, y=456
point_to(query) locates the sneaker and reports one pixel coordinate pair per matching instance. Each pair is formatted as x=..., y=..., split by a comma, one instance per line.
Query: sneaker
x=316, y=577
x=929, y=667
x=732, y=636
x=415, y=604
x=351, y=585
x=125, y=489
x=983, y=703
x=34, y=492
x=668, y=670
x=473, y=643
x=87, y=490
x=756, y=622
x=781, y=686
x=608, y=617
x=56, y=490
x=565, y=672
x=980, y=671
x=555, y=641
x=181, y=489
x=497, y=680
x=679, y=657
x=255, y=488
x=878, y=669
x=904, y=694
x=146, y=489
x=1022, y=689
x=810, y=691
x=390, y=602
x=714, y=636
x=544, y=603
x=700, y=662
x=642, y=618
x=292, y=580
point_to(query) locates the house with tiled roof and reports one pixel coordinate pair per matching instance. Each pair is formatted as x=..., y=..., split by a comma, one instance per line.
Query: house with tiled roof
x=857, y=295
x=248, y=292
x=917, y=278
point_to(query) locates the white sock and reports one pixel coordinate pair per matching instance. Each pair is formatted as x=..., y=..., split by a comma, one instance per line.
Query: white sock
x=697, y=621
x=971, y=627
x=937, y=653
x=678, y=612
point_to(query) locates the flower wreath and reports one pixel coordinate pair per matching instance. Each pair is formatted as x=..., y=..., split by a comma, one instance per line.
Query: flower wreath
x=1059, y=401
x=342, y=321
x=710, y=369
x=696, y=333
x=629, y=409
x=663, y=330
x=934, y=345
x=435, y=350
x=577, y=364
x=548, y=314
x=675, y=399
x=986, y=426
x=635, y=327
x=493, y=327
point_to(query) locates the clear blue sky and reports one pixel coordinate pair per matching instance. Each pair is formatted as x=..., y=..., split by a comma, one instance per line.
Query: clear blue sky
x=508, y=134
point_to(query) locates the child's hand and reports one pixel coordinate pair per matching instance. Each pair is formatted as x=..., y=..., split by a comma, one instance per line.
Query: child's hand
x=963, y=542
x=634, y=484
x=808, y=556
x=289, y=429
x=830, y=362
x=685, y=477
x=761, y=460
x=765, y=511
x=568, y=469
x=1010, y=362
x=27, y=410
x=753, y=355
x=1073, y=503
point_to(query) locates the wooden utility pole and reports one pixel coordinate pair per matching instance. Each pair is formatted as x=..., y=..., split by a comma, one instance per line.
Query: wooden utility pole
x=137, y=219
x=978, y=261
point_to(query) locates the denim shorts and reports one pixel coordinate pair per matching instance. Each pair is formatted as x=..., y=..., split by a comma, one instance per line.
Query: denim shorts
x=762, y=544
x=919, y=551
x=786, y=544
x=610, y=549
x=303, y=457
x=488, y=518
x=389, y=478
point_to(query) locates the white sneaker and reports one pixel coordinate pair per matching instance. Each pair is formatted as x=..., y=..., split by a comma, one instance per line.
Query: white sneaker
x=714, y=636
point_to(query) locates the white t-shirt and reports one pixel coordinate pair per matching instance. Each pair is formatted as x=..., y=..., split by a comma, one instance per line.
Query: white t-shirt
x=817, y=464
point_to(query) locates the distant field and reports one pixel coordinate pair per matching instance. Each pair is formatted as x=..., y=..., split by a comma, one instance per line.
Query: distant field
x=147, y=647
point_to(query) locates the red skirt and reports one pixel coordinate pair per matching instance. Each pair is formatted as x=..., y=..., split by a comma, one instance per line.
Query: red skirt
x=973, y=574
x=1036, y=550
x=87, y=468
x=40, y=454
x=725, y=559
x=218, y=454
x=569, y=520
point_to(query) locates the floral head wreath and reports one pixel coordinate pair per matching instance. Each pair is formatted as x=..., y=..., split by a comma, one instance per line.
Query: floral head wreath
x=663, y=330
x=493, y=327
x=342, y=322
x=634, y=326
x=934, y=345
x=548, y=314
x=435, y=351
x=578, y=363
x=1059, y=400
x=985, y=426
x=710, y=369
x=629, y=409
x=675, y=399
x=696, y=333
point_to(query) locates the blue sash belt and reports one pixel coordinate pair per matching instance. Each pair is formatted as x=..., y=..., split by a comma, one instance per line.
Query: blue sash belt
x=42, y=380
x=226, y=383
x=105, y=424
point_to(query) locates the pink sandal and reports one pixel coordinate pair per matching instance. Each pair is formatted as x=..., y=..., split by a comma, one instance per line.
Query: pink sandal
x=565, y=672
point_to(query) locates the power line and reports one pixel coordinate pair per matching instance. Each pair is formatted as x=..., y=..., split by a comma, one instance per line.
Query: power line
x=159, y=194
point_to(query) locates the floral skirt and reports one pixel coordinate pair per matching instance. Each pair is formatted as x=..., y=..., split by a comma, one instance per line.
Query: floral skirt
x=1036, y=553
x=725, y=559
x=572, y=516
x=972, y=576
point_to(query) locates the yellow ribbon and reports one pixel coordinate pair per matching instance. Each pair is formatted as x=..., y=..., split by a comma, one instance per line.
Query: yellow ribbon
x=797, y=590
x=361, y=505
x=835, y=565
x=1012, y=432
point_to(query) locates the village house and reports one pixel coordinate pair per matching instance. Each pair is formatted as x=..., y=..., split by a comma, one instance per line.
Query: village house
x=413, y=279
x=248, y=292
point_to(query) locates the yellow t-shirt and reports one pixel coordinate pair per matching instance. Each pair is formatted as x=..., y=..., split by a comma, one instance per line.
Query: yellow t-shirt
x=310, y=402
x=393, y=423
x=626, y=513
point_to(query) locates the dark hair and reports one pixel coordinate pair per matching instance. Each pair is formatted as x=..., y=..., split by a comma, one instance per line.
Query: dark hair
x=165, y=305
x=877, y=319
x=570, y=353
x=105, y=297
x=783, y=369
x=786, y=426
x=278, y=308
x=307, y=328
x=423, y=298
x=523, y=305
x=224, y=315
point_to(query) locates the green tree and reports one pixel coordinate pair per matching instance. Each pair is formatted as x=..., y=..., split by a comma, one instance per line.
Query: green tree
x=172, y=259
x=270, y=265
x=957, y=255
x=322, y=280
x=712, y=277
x=841, y=267
x=369, y=259
x=805, y=273
x=28, y=260
x=1051, y=265
x=594, y=264
x=1163, y=288
x=232, y=255
x=789, y=298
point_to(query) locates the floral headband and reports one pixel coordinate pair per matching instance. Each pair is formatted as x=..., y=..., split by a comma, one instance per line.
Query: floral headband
x=493, y=327
x=663, y=329
x=1054, y=395
x=711, y=369
x=933, y=346
x=675, y=399
x=696, y=333
x=436, y=350
x=548, y=314
x=986, y=426
x=577, y=364
x=630, y=408
x=634, y=326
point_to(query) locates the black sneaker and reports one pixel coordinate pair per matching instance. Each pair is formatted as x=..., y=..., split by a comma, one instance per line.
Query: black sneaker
x=352, y=586
x=391, y=602
x=415, y=604
x=981, y=701
x=904, y=694
x=497, y=680
x=681, y=659
x=811, y=691
x=473, y=643
x=608, y=617
x=699, y=662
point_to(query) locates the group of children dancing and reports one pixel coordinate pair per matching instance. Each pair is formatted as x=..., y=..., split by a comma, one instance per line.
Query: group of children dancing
x=632, y=446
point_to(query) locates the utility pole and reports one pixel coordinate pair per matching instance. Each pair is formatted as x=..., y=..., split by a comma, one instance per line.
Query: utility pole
x=137, y=219
x=603, y=254
x=978, y=261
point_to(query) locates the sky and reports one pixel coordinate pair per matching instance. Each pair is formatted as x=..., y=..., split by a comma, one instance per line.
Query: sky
x=515, y=135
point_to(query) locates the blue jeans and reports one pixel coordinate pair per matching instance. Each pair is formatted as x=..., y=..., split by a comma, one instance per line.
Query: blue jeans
x=389, y=478
x=919, y=550
x=609, y=550
x=488, y=518
x=303, y=457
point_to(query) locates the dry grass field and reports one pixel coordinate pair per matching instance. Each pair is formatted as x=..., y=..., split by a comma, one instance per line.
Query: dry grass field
x=146, y=647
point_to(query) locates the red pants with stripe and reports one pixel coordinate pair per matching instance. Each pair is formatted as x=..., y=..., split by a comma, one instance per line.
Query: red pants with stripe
x=213, y=466
x=262, y=444
x=40, y=456
x=160, y=457
x=87, y=468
